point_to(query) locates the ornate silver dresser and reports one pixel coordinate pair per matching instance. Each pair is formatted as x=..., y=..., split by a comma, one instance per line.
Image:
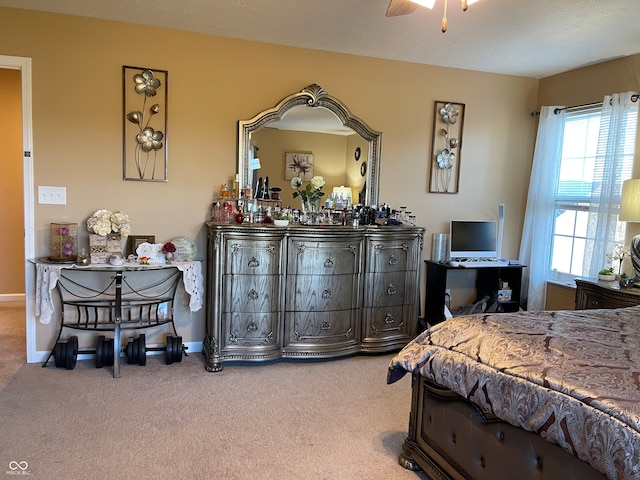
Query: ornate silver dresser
x=309, y=291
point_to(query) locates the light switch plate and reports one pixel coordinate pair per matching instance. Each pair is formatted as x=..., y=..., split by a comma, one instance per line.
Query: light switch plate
x=52, y=195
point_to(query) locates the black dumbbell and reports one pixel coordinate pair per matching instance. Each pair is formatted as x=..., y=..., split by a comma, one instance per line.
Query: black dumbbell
x=137, y=350
x=104, y=352
x=65, y=353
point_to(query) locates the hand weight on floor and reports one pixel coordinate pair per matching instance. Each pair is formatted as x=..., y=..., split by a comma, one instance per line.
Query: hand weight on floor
x=104, y=352
x=65, y=353
x=137, y=350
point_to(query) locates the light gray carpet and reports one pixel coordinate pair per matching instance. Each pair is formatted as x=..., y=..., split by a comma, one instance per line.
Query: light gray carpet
x=287, y=420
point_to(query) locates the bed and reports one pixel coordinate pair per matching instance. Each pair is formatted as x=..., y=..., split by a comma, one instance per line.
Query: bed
x=539, y=395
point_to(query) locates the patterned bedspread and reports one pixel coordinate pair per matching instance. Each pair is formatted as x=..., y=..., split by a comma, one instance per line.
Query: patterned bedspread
x=571, y=376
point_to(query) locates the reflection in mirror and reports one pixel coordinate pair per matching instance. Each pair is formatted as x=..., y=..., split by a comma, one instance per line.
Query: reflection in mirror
x=317, y=130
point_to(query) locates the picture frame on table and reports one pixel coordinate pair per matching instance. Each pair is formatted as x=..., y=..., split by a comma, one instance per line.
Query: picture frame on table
x=134, y=241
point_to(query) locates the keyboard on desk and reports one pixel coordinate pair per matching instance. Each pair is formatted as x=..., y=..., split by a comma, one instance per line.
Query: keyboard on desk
x=478, y=262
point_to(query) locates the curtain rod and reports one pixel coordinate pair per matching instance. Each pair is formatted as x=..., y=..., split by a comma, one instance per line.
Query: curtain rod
x=634, y=98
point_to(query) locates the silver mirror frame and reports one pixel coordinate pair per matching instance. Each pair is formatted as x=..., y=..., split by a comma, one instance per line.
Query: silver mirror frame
x=313, y=96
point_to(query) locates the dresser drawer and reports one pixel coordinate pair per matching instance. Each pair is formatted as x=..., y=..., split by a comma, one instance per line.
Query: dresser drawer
x=387, y=289
x=320, y=327
x=252, y=257
x=251, y=293
x=321, y=293
x=323, y=258
x=391, y=256
x=254, y=329
x=385, y=322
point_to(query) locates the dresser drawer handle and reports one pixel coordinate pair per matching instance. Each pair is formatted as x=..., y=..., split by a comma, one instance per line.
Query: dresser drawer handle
x=253, y=295
x=389, y=319
x=326, y=293
x=595, y=303
x=393, y=260
x=328, y=263
x=325, y=326
x=391, y=290
x=254, y=263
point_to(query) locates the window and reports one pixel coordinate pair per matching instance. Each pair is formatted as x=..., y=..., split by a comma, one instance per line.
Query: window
x=585, y=170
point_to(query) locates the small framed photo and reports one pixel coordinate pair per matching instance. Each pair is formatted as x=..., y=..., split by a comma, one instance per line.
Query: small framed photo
x=134, y=241
x=298, y=164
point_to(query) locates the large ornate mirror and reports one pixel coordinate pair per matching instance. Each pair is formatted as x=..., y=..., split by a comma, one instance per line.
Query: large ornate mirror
x=320, y=129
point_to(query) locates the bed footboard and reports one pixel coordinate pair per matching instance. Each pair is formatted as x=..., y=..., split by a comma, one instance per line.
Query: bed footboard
x=450, y=439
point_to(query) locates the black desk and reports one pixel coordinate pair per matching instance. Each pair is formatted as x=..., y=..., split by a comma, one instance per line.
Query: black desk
x=487, y=283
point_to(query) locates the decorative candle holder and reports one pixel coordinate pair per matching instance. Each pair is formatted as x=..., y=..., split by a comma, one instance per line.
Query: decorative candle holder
x=64, y=242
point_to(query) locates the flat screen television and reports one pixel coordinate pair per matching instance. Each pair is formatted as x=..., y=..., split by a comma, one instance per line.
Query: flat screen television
x=473, y=239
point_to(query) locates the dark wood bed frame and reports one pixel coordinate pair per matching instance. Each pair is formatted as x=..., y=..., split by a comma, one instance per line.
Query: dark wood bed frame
x=449, y=438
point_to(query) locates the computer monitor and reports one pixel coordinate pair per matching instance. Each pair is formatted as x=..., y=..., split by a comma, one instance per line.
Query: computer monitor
x=473, y=239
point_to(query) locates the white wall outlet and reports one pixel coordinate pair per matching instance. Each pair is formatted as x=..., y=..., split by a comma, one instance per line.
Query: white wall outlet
x=52, y=195
x=162, y=308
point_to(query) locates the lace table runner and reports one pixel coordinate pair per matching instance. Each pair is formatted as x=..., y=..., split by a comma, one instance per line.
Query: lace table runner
x=47, y=276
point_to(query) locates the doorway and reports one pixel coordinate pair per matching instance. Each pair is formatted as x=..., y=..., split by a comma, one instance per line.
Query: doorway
x=23, y=64
x=11, y=213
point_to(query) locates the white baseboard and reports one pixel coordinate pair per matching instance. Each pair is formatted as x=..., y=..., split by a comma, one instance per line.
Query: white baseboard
x=12, y=297
x=192, y=347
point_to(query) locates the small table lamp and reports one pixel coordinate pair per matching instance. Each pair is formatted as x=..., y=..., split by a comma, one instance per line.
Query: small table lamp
x=630, y=212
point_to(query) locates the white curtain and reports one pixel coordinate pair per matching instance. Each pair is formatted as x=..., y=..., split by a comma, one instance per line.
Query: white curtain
x=617, y=120
x=538, y=221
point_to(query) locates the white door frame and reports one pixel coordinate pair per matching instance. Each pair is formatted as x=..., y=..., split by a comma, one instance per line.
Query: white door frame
x=24, y=65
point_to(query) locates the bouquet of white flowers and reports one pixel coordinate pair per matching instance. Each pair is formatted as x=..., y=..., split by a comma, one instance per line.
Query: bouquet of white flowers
x=105, y=222
x=311, y=193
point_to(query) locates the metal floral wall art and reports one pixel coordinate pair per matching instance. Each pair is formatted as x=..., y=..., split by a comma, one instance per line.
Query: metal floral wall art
x=448, y=120
x=145, y=124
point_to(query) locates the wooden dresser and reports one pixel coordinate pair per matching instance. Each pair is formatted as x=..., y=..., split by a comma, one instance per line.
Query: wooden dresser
x=309, y=291
x=605, y=295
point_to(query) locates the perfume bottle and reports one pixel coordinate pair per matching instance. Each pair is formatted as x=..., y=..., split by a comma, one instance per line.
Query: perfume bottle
x=265, y=192
x=259, y=188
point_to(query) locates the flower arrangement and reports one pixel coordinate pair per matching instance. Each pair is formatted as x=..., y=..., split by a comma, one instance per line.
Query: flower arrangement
x=618, y=254
x=283, y=214
x=105, y=222
x=64, y=240
x=311, y=193
x=168, y=248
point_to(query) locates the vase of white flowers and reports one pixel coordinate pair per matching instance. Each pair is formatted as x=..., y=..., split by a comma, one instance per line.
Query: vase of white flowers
x=106, y=230
x=310, y=195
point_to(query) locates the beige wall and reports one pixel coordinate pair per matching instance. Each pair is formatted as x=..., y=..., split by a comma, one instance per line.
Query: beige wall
x=560, y=297
x=214, y=82
x=11, y=213
x=588, y=85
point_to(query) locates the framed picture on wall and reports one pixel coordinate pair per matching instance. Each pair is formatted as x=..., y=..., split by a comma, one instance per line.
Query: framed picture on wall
x=446, y=147
x=298, y=164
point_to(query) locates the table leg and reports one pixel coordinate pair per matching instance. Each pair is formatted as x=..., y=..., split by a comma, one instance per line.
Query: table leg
x=116, y=328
